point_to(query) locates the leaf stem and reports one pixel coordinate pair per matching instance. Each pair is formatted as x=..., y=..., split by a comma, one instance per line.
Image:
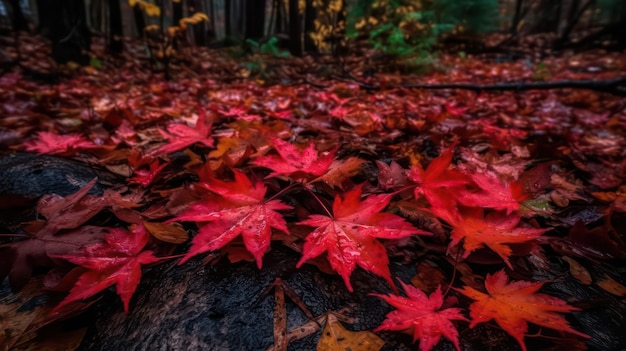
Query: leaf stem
x=320, y=202
x=282, y=191
x=456, y=260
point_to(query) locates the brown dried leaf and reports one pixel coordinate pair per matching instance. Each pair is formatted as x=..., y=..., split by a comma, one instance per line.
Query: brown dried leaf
x=169, y=232
x=578, y=271
x=609, y=284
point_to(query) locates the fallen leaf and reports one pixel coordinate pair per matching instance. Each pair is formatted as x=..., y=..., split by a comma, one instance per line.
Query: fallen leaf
x=494, y=230
x=241, y=210
x=423, y=316
x=609, y=284
x=350, y=235
x=296, y=163
x=337, y=338
x=172, y=233
x=578, y=271
x=116, y=261
x=514, y=304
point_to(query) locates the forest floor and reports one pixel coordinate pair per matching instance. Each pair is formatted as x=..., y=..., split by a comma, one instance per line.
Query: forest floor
x=501, y=200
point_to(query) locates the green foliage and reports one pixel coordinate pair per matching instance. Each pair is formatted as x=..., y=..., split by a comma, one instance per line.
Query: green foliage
x=268, y=47
x=408, y=29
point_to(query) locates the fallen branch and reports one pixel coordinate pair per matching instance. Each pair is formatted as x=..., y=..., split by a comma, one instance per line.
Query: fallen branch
x=615, y=86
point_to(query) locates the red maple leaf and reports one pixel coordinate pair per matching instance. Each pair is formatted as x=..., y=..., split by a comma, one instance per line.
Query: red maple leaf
x=50, y=143
x=493, y=193
x=423, y=316
x=145, y=177
x=439, y=184
x=241, y=210
x=515, y=304
x=116, y=261
x=19, y=259
x=494, y=231
x=294, y=162
x=350, y=234
x=180, y=136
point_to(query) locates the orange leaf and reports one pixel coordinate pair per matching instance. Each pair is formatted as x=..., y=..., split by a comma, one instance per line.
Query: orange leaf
x=337, y=338
x=515, y=304
x=494, y=231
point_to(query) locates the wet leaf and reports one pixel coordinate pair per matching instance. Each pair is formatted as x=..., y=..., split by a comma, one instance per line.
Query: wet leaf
x=337, y=338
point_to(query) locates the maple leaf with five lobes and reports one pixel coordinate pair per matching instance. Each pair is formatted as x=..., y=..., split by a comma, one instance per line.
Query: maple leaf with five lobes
x=423, y=316
x=290, y=160
x=494, y=231
x=50, y=143
x=515, y=304
x=439, y=184
x=350, y=235
x=180, y=136
x=241, y=210
x=117, y=261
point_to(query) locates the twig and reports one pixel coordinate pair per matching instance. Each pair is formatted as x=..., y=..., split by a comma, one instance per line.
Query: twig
x=615, y=86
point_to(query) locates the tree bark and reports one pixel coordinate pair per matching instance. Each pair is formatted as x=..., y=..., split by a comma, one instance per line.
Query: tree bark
x=255, y=19
x=548, y=16
x=228, y=30
x=199, y=33
x=18, y=21
x=140, y=22
x=65, y=22
x=115, y=27
x=516, y=16
x=295, y=31
x=574, y=20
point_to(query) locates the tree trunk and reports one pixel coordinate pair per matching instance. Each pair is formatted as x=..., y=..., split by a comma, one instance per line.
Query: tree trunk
x=65, y=22
x=18, y=20
x=309, y=18
x=295, y=31
x=517, y=16
x=115, y=27
x=199, y=34
x=228, y=30
x=255, y=19
x=573, y=20
x=548, y=16
x=140, y=22
x=177, y=11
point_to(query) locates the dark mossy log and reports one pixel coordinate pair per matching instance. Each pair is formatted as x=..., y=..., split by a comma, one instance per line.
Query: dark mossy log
x=29, y=176
x=223, y=307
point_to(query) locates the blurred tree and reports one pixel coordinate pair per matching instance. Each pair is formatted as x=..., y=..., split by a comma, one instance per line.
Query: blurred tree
x=65, y=22
x=19, y=20
x=255, y=19
x=115, y=27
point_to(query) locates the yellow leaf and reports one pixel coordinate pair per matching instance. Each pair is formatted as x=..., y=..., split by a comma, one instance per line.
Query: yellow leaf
x=336, y=338
x=195, y=19
x=170, y=233
x=171, y=31
x=149, y=8
x=151, y=27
